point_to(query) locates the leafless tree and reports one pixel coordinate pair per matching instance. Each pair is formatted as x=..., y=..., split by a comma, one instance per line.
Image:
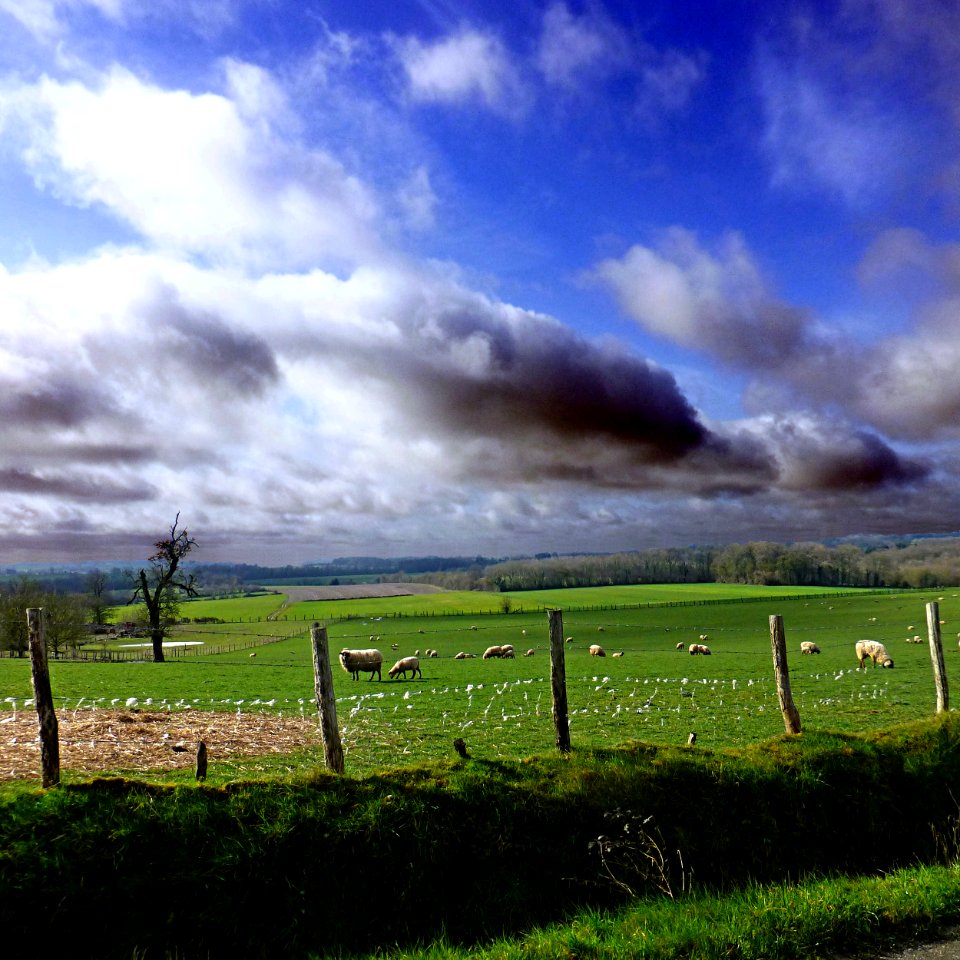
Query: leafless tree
x=163, y=582
x=98, y=601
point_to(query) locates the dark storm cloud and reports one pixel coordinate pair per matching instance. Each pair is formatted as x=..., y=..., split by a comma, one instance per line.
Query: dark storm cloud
x=864, y=461
x=213, y=350
x=515, y=397
x=540, y=379
x=64, y=404
x=73, y=487
x=833, y=458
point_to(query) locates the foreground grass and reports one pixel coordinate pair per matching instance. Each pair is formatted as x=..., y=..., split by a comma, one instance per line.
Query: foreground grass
x=498, y=856
x=805, y=921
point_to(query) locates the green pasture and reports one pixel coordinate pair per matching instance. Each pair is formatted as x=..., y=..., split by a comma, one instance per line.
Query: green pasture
x=502, y=708
x=467, y=602
x=259, y=606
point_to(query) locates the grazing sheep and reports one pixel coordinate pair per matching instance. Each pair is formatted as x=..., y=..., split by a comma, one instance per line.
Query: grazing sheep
x=808, y=646
x=570, y=639
x=699, y=648
x=529, y=653
x=599, y=629
x=411, y=664
x=872, y=650
x=432, y=653
x=619, y=653
x=507, y=651
x=680, y=645
x=356, y=662
x=465, y=656
x=704, y=638
x=492, y=652
x=597, y=651
x=253, y=654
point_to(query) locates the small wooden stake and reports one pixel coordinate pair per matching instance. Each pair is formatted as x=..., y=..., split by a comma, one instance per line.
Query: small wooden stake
x=326, y=702
x=778, y=646
x=43, y=697
x=201, y=761
x=558, y=681
x=936, y=656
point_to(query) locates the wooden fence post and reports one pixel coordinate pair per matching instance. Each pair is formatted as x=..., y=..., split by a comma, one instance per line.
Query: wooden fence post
x=558, y=681
x=778, y=646
x=936, y=655
x=43, y=697
x=326, y=702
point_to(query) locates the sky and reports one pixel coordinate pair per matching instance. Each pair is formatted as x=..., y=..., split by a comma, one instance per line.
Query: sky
x=461, y=278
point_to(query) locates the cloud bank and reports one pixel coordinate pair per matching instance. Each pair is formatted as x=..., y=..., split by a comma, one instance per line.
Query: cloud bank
x=264, y=348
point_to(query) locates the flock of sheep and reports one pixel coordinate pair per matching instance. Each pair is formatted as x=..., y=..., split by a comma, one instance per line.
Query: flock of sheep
x=370, y=661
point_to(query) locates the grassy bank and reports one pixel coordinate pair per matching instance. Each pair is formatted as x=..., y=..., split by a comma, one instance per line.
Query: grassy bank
x=816, y=919
x=469, y=850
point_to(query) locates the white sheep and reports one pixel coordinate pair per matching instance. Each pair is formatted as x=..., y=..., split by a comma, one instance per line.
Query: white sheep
x=699, y=649
x=808, y=646
x=619, y=653
x=597, y=651
x=680, y=645
x=872, y=650
x=356, y=662
x=465, y=656
x=529, y=653
x=411, y=664
x=495, y=651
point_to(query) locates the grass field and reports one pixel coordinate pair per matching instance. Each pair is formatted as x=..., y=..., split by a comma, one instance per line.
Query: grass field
x=503, y=708
x=466, y=602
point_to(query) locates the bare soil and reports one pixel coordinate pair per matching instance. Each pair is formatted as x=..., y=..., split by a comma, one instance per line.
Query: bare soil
x=96, y=741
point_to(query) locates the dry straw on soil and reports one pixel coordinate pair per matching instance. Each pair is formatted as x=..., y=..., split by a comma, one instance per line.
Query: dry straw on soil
x=96, y=741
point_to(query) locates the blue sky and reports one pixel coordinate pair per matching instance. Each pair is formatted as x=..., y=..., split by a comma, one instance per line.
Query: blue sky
x=438, y=277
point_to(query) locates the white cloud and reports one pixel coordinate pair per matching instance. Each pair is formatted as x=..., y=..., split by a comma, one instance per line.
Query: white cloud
x=417, y=200
x=667, y=81
x=202, y=173
x=45, y=18
x=466, y=67
x=572, y=45
x=717, y=302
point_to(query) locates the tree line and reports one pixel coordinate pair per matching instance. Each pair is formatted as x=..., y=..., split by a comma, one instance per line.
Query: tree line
x=921, y=562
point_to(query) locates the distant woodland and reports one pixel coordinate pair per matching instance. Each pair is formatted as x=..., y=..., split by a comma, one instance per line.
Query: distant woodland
x=921, y=562
x=924, y=562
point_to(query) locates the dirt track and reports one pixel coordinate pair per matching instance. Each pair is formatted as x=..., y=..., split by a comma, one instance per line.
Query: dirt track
x=358, y=591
